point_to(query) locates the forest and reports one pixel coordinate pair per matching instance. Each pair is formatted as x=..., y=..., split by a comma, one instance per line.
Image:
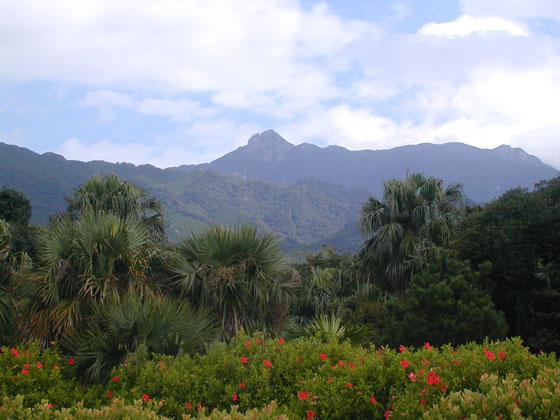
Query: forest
x=446, y=311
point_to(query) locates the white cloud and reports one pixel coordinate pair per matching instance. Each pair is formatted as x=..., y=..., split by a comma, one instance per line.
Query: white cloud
x=513, y=9
x=465, y=25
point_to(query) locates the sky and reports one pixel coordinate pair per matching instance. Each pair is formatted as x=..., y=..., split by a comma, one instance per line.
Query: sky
x=171, y=82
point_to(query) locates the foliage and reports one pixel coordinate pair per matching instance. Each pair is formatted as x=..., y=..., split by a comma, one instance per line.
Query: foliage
x=45, y=410
x=414, y=216
x=504, y=398
x=82, y=262
x=306, y=378
x=237, y=272
x=110, y=194
x=160, y=325
x=444, y=304
x=519, y=234
x=15, y=209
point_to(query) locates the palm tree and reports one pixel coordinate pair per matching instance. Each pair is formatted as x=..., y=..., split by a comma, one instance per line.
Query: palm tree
x=414, y=217
x=238, y=272
x=161, y=325
x=88, y=260
x=110, y=194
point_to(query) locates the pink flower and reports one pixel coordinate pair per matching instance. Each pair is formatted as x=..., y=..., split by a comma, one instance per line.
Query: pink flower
x=145, y=397
x=39, y=364
x=349, y=385
x=267, y=364
x=281, y=340
x=25, y=372
x=412, y=376
x=323, y=356
x=387, y=414
x=402, y=348
x=502, y=355
x=115, y=379
x=404, y=363
x=234, y=396
x=489, y=354
x=244, y=359
x=427, y=345
x=373, y=400
x=310, y=414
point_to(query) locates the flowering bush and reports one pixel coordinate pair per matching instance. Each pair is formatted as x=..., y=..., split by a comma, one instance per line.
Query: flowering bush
x=307, y=378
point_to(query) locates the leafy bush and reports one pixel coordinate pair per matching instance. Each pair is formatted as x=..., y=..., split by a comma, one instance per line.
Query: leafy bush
x=118, y=410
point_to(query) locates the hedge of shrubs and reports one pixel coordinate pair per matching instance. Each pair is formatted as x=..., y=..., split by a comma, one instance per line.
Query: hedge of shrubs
x=306, y=378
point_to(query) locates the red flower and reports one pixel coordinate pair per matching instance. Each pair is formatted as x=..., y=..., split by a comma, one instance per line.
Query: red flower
x=422, y=402
x=27, y=365
x=341, y=363
x=323, y=356
x=281, y=340
x=373, y=400
x=329, y=379
x=349, y=385
x=115, y=379
x=234, y=396
x=387, y=414
x=51, y=405
x=199, y=405
x=14, y=352
x=244, y=359
x=188, y=406
x=71, y=361
x=502, y=355
x=259, y=341
x=39, y=364
x=145, y=397
x=427, y=345
x=310, y=414
x=25, y=372
x=56, y=367
x=432, y=378
x=402, y=348
x=109, y=394
x=248, y=343
x=242, y=385
x=412, y=376
x=267, y=364
x=404, y=363
x=303, y=395
x=489, y=354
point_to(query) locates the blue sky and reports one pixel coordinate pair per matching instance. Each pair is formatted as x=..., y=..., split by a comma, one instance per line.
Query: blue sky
x=183, y=81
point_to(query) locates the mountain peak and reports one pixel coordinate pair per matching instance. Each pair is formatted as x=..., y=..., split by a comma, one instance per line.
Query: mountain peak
x=516, y=154
x=268, y=145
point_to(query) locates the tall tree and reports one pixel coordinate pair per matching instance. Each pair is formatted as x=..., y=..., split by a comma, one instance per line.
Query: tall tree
x=238, y=272
x=15, y=209
x=414, y=217
x=109, y=193
x=82, y=262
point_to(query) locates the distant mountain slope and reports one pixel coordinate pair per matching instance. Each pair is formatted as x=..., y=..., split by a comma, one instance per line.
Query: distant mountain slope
x=300, y=213
x=485, y=174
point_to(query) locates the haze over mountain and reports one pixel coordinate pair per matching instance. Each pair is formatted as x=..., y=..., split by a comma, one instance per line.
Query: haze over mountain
x=485, y=174
x=305, y=193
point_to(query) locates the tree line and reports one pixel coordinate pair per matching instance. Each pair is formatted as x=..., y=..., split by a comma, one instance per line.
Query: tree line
x=102, y=280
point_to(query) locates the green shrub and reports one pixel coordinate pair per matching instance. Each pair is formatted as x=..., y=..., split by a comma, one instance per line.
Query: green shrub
x=118, y=410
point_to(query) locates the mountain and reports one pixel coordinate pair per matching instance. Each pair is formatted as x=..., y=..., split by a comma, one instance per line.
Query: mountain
x=485, y=174
x=300, y=213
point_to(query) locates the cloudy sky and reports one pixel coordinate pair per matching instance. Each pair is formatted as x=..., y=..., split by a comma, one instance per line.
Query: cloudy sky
x=169, y=82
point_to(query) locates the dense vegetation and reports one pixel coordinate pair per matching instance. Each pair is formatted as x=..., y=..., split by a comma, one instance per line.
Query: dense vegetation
x=98, y=304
